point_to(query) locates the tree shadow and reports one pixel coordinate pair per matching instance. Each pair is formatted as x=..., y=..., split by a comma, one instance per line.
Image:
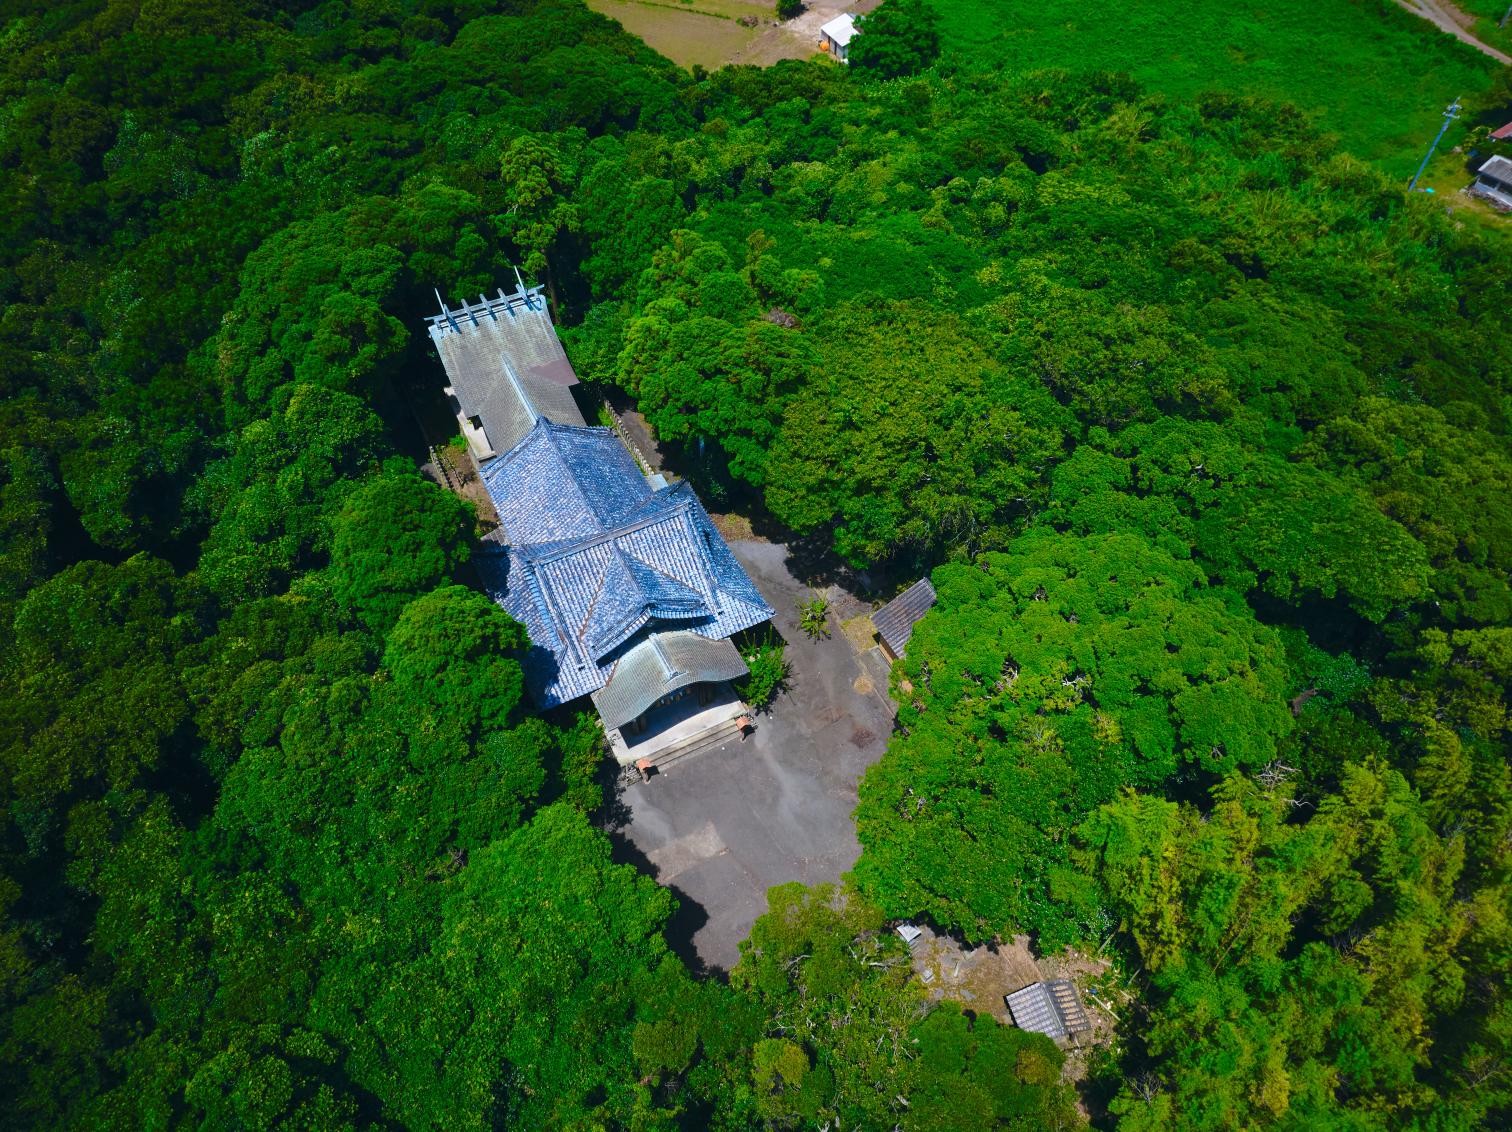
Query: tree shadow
x=614, y=815
x=688, y=917
x=813, y=561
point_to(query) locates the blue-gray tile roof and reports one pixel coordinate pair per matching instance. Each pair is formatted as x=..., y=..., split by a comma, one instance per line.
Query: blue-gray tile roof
x=597, y=559
x=563, y=482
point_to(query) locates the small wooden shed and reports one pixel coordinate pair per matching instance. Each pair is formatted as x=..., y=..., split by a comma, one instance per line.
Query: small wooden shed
x=1049, y=1008
x=1493, y=184
x=895, y=621
x=835, y=36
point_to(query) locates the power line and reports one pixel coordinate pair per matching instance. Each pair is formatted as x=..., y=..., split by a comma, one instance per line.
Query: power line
x=1450, y=115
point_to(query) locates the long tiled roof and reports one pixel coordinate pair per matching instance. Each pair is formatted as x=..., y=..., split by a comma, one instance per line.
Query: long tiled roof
x=506, y=365
x=597, y=558
x=563, y=483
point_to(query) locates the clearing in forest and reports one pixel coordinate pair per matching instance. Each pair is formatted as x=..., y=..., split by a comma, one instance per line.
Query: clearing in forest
x=712, y=33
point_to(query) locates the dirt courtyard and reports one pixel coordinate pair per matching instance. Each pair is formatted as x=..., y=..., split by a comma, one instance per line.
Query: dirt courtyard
x=721, y=828
x=712, y=33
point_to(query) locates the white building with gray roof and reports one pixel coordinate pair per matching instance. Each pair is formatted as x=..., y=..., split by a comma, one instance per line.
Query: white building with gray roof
x=505, y=368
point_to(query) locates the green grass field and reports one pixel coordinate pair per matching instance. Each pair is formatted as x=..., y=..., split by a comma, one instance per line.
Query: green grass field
x=1365, y=69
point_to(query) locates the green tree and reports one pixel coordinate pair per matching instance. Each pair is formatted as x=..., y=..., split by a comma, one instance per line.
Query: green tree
x=1294, y=965
x=900, y=38
x=548, y=950
x=975, y=1073
x=96, y=700
x=1252, y=519
x=538, y=211
x=818, y=964
x=394, y=537
x=1047, y=677
x=268, y=501
x=913, y=439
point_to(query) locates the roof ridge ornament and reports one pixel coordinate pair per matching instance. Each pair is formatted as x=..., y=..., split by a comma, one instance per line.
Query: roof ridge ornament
x=524, y=291
x=446, y=314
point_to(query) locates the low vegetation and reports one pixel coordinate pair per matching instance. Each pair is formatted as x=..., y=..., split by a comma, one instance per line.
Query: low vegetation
x=769, y=671
x=1365, y=70
x=1198, y=423
x=813, y=617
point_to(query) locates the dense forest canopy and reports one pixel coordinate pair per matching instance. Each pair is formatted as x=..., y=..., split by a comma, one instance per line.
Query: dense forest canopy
x=1201, y=425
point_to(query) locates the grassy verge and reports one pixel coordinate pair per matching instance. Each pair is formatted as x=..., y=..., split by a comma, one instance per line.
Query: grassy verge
x=1487, y=14
x=1369, y=71
x=1447, y=175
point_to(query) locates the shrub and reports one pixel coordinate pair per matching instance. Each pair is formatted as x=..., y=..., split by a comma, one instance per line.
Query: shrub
x=768, y=672
x=813, y=617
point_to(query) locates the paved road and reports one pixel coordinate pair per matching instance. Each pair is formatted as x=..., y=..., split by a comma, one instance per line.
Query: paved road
x=723, y=827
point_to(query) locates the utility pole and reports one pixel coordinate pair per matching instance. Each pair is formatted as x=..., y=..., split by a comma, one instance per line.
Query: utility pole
x=1449, y=116
x=1505, y=17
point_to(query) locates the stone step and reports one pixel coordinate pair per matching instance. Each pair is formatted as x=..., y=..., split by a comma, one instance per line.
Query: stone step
x=697, y=744
x=708, y=741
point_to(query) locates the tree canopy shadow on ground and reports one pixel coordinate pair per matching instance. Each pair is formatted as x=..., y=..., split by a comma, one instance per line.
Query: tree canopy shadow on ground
x=689, y=916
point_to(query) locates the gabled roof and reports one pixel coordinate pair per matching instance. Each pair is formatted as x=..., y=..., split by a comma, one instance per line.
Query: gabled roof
x=895, y=621
x=1498, y=168
x=1050, y=1008
x=842, y=29
x=597, y=557
x=505, y=364
x=1504, y=133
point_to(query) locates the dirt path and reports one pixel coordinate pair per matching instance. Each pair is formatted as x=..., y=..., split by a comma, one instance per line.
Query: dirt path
x=1446, y=17
x=798, y=38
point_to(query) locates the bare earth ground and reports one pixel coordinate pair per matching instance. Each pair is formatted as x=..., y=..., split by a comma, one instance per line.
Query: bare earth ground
x=980, y=977
x=709, y=33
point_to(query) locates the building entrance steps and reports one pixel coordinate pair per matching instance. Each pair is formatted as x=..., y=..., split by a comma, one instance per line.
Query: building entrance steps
x=681, y=728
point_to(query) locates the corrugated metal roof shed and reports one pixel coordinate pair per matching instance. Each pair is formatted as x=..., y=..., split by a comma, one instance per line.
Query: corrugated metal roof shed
x=659, y=665
x=1504, y=133
x=1049, y=1008
x=895, y=621
x=1498, y=168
